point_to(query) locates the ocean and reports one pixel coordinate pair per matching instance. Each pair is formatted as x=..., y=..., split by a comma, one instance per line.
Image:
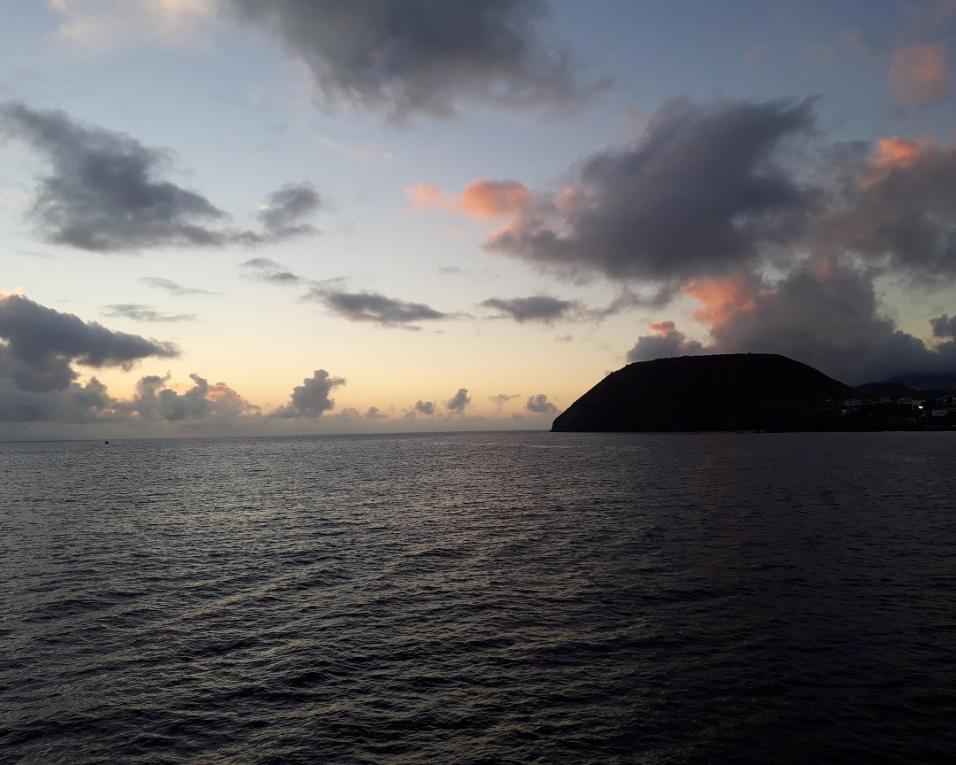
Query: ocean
x=483, y=597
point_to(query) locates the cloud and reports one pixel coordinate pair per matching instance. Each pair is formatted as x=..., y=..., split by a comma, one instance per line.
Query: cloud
x=944, y=326
x=539, y=404
x=311, y=398
x=374, y=413
x=138, y=312
x=920, y=75
x=74, y=403
x=104, y=191
x=173, y=288
x=425, y=407
x=155, y=401
x=283, y=213
x=374, y=307
x=666, y=341
x=267, y=270
x=422, y=56
x=266, y=264
x=103, y=24
x=703, y=192
x=457, y=403
x=537, y=308
x=483, y=199
x=500, y=399
x=825, y=314
x=41, y=345
x=902, y=214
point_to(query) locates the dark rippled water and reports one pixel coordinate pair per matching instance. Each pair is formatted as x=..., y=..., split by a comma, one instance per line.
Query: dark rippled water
x=480, y=598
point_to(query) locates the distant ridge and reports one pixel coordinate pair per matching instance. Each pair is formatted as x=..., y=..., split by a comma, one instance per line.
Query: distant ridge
x=742, y=391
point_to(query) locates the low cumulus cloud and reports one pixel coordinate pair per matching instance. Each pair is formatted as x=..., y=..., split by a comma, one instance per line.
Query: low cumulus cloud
x=311, y=398
x=106, y=192
x=665, y=341
x=139, y=312
x=429, y=55
x=543, y=309
x=539, y=404
x=425, y=407
x=154, y=400
x=500, y=399
x=459, y=402
x=38, y=382
x=374, y=307
x=41, y=345
x=374, y=413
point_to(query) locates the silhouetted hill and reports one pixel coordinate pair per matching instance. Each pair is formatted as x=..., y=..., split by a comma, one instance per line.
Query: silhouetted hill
x=924, y=381
x=746, y=391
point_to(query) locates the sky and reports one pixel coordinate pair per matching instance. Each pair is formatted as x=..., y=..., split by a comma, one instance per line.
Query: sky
x=242, y=217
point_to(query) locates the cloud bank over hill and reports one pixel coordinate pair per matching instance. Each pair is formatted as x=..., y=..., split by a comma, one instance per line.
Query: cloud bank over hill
x=783, y=238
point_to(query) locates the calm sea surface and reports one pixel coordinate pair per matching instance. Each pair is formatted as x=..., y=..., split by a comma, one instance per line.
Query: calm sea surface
x=480, y=598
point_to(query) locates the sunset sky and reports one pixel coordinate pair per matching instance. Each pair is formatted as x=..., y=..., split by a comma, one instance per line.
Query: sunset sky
x=232, y=216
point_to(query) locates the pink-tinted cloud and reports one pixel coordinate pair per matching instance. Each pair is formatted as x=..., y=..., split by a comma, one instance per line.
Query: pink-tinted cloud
x=488, y=200
x=722, y=298
x=920, y=74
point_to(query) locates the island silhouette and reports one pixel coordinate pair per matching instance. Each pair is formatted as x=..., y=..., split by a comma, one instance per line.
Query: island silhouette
x=748, y=391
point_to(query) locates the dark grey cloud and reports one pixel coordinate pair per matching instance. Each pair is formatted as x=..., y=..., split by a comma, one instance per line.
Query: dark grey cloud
x=457, y=403
x=311, y=398
x=902, y=212
x=374, y=307
x=285, y=209
x=500, y=399
x=539, y=404
x=703, y=192
x=173, y=288
x=425, y=407
x=422, y=56
x=831, y=320
x=41, y=345
x=139, y=312
x=537, y=308
x=944, y=326
x=666, y=342
x=74, y=403
x=374, y=413
x=105, y=191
